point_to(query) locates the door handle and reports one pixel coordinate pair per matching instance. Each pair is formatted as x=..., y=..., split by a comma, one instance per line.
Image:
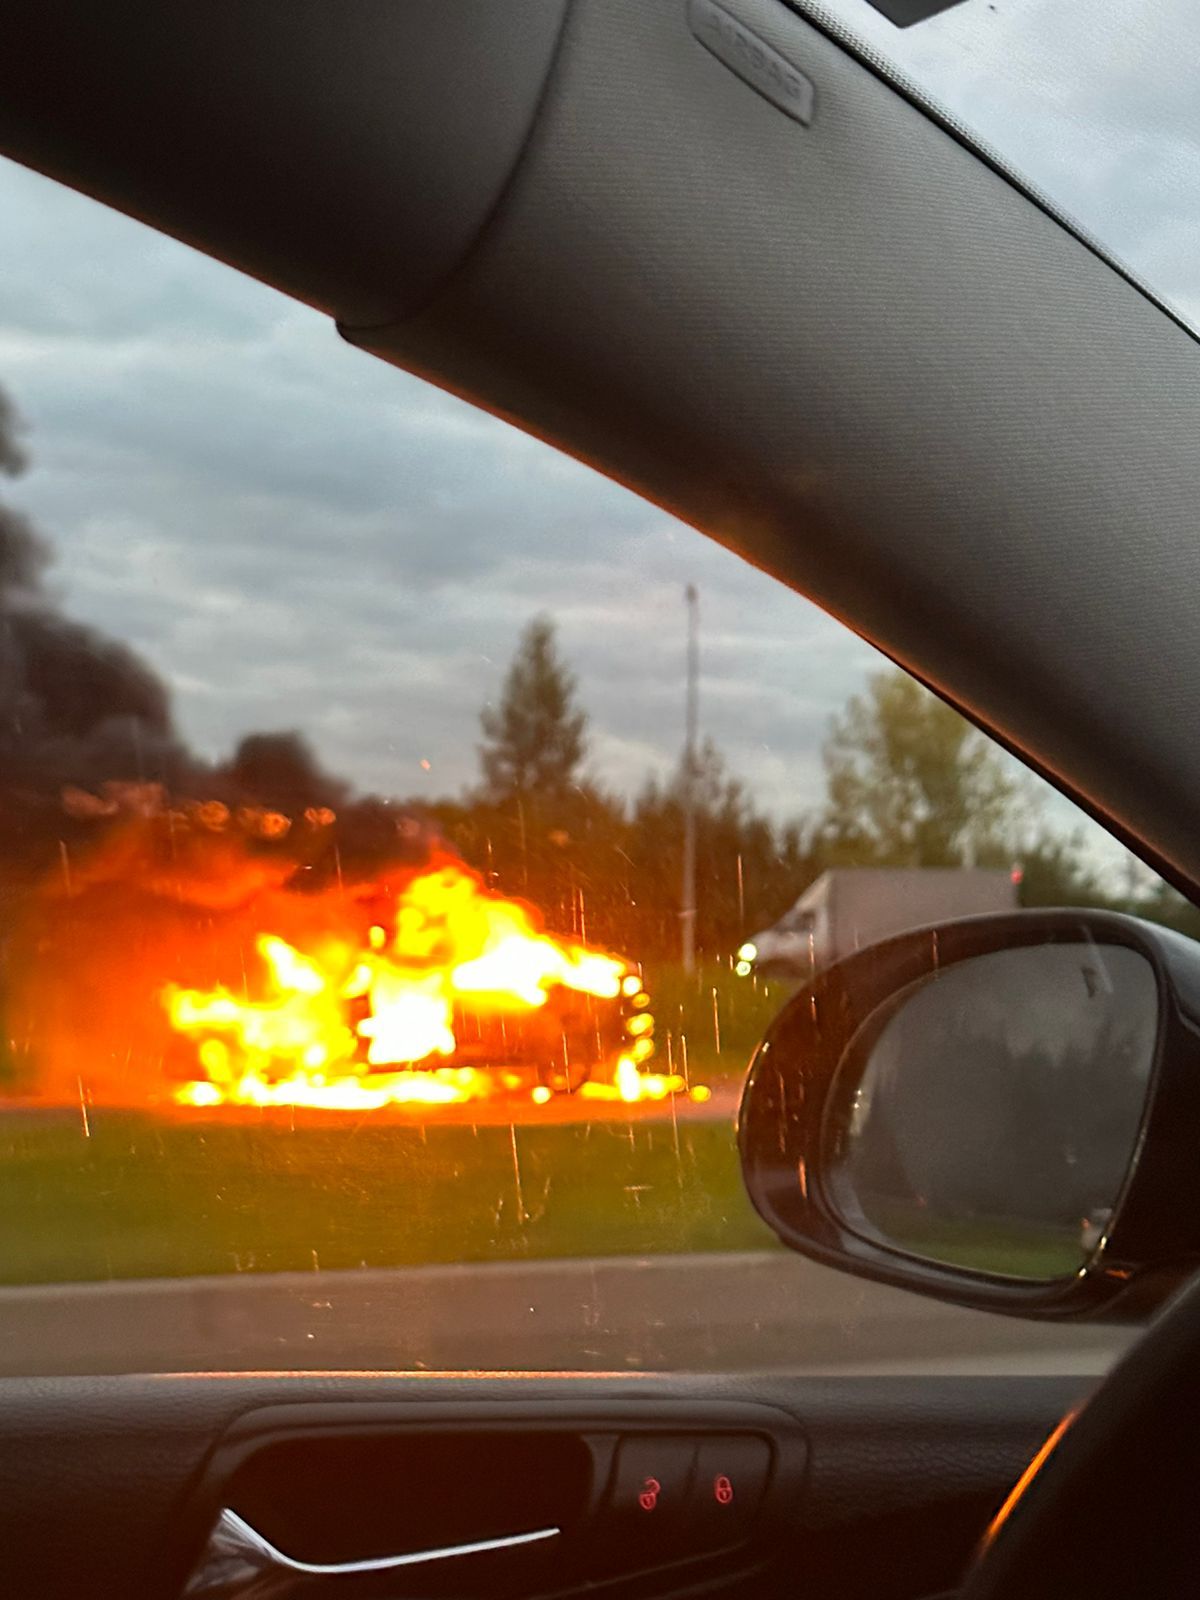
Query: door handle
x=238, y=1556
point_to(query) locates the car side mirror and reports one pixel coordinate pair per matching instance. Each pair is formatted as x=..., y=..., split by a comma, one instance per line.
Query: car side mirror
x=1003, y=1112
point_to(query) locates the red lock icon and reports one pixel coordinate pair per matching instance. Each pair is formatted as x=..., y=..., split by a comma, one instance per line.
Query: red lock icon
x=650, y=1491
x=722, y=1490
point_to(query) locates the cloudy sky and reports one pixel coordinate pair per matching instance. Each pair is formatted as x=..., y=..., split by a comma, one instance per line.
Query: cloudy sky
x=299, y=536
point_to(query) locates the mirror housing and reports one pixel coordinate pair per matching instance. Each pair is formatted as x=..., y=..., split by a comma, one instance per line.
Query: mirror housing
x=802, y=1096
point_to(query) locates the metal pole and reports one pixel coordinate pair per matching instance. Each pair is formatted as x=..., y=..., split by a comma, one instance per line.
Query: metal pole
x=687, y=907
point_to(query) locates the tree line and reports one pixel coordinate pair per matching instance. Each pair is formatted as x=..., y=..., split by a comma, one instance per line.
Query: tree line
x=909, y=782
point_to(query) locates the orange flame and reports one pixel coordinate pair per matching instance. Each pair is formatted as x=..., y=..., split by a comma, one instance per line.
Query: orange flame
x=354, y=1025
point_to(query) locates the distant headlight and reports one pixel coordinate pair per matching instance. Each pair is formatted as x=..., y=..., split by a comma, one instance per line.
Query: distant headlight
x=748, y=952
x=743, y=969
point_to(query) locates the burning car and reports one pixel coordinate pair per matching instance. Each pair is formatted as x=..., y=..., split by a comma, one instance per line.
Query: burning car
x=211, y=971
x=456, y=995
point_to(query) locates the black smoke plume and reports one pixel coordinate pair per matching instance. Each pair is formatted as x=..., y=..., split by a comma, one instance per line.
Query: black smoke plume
x=87, y=739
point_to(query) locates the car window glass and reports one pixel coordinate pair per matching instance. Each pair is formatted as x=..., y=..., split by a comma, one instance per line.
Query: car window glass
x=379, y=961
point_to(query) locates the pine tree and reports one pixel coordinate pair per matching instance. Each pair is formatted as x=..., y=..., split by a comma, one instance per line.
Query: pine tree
x=534, y=740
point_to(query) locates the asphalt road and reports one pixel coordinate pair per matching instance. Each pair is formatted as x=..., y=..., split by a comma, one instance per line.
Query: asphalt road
x=723, y=1312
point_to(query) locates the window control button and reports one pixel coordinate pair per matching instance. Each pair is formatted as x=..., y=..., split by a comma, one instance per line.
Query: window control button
x=728, y=1485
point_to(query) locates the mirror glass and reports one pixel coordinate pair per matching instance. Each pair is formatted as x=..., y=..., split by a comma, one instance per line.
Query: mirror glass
x=998, y=1106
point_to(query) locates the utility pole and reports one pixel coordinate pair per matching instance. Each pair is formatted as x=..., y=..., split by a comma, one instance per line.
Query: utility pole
x=687, y=900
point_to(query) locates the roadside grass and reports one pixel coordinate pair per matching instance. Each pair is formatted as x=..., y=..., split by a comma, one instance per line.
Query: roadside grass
x=141, y=1195
x=1009, y=1246
x=148, y=1197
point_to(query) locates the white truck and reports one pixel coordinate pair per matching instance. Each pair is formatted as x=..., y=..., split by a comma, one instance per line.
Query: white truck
x=848, y=908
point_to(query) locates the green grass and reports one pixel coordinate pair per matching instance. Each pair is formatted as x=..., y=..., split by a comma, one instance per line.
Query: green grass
x=1011, y=1247
x=144, y=1197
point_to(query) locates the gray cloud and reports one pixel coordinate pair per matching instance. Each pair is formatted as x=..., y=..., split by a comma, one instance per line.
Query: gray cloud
x=299, y=536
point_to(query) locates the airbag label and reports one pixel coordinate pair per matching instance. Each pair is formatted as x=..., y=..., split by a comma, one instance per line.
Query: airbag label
x=761, y=66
